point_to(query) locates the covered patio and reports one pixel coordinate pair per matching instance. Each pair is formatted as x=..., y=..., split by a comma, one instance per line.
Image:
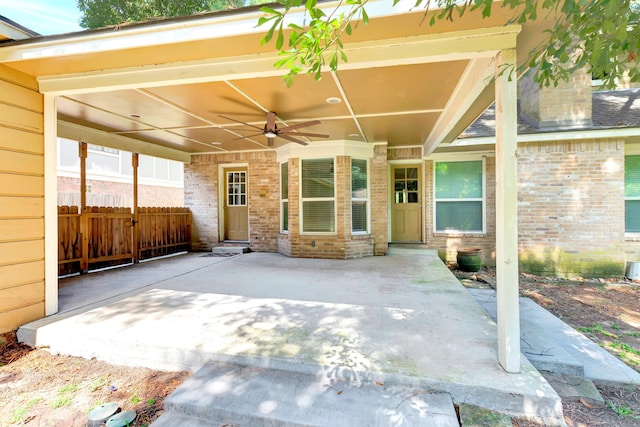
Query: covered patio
x=399, y=320
x=164, y=88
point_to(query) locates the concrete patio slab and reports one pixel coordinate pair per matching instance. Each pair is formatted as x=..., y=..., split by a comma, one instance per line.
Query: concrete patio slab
x=402, y=319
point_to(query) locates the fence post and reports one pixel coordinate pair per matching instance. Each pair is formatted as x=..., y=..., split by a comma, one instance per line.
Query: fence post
x=135, y=219
x=84, y=230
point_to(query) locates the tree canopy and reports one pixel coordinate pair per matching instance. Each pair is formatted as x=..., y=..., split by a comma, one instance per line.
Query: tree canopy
x=103, y=13
x=600, y=35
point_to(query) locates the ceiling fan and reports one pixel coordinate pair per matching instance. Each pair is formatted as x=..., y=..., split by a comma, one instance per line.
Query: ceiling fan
x=271, y=130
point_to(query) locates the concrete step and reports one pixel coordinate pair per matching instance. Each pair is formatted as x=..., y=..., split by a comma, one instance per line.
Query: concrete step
x=553, y=346
x=231, y=394
x=544, y=353
x=230, y=250
x=175, y=420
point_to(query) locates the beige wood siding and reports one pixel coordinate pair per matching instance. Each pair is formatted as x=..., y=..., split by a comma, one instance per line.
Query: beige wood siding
x=21, y=200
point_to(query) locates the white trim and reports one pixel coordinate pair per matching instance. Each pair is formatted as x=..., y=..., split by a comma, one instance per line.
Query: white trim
x=552, y=136
x=367, y=199
x=222, y=167
x=325, y=149
x=460, y=157
x=50, y=206
x=86, y=134
x=301, y=201
x=631, y=149
x=213, y=26
x=282, y=201
x=483, y=199
x=476, y=77
x=457, y=45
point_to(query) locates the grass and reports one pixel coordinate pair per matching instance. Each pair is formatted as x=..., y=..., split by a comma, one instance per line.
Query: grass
x=597, y=328
x=97, y=384
x=67, y=393
x=622, y=410
x=18, y=414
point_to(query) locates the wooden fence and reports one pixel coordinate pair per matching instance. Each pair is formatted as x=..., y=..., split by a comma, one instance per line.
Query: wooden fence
x=101, y=237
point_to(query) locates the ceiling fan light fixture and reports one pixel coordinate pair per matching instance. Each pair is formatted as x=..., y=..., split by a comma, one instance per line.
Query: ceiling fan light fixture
x=270, y=134
x=333, y=100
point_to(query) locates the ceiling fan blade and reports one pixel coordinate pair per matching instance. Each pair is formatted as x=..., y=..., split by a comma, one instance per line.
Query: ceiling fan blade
x=316, y=135
x=285, y=136
x=301, y=125
x=238, y=121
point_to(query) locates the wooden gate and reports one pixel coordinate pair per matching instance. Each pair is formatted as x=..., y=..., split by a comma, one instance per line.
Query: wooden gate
x=101, y=237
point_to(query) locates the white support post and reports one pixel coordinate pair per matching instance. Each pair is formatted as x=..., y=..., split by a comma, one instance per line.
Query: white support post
x=50, y=206
x=507, y=214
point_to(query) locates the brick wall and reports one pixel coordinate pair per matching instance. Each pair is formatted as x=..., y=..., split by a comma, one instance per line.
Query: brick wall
x=118, y=194
x=379, y=182
x=201, y=196
x=571, y=208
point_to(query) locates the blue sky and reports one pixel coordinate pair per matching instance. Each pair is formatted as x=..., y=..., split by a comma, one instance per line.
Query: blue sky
x=43, y=16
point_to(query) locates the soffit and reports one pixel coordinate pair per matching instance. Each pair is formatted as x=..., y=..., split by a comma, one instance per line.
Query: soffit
x=385, y=99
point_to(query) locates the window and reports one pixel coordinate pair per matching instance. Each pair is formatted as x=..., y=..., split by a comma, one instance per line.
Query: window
x=359, y=196
x=284, y=196
x=632, y=194
x=318, y=198
x=459, y=188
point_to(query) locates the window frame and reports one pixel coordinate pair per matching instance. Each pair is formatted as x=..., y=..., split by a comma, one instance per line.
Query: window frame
x=482, y=199
x=284, y=200
x=630, y=153
x=366, y=199
x=317, y=199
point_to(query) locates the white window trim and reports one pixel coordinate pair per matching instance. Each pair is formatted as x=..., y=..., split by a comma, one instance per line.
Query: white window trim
x=483, y=199
x=367, y=200
x=318, y=199
x=633, y=235
x=282, y=201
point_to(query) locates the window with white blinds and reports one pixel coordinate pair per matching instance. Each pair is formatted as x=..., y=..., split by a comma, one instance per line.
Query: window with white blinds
x=632, y=194
x=318, y=196
x=459, y=196
x=284, y=197
x=359, y=196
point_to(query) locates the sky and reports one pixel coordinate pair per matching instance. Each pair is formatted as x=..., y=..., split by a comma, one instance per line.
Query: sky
x=43, y=16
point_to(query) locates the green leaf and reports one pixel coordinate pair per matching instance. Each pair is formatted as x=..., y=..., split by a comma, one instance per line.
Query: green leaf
x=365, y=17
x=348, y=29
x=280, y=40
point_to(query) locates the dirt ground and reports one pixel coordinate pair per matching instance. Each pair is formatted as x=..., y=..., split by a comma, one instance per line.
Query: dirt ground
x=38, y=389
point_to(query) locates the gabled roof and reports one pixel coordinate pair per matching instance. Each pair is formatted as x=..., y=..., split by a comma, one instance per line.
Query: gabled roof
x=11, y=30
x=611, y=109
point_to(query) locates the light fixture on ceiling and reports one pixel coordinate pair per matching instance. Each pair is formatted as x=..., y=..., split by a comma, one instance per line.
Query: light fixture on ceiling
x=354, y=135
x=269, y=134
x=333, y=100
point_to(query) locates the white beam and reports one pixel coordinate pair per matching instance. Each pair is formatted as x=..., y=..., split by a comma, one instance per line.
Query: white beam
x=98, y=137
x=50, y=207
x=459, y=45
x=507, y=214
x=477, y=76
